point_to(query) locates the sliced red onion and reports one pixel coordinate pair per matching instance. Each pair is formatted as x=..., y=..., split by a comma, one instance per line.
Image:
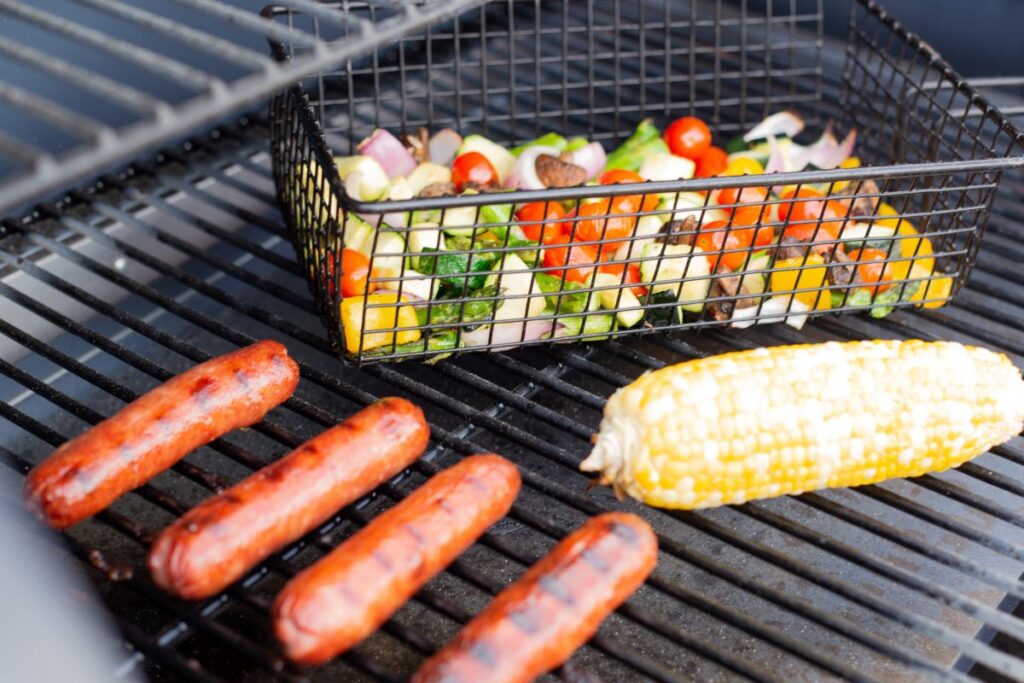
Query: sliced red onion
x=443, y=146
x=784, y=123
x=506, y=336
x=524, y=173
x=775, y=310
x=776, y=157
x=389, y=152
x=372, y=218
x=591, y=158
x=829, y=155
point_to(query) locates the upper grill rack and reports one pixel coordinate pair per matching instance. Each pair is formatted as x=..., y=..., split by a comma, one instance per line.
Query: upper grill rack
x=135, y=75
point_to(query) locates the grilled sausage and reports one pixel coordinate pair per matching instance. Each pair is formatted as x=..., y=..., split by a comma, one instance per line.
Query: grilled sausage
x=153, y=432
x=348, y=594
x=538, y=622
x=215, y=543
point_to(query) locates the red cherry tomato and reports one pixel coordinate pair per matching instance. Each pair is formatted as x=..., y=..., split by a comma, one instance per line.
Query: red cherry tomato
x=354, y=272
x=874, y=270
x=736, y=195
x=811, y=216
x=472, y=167
x=647, y=202
x=599, y=220
x=688, y=137
x=752, y=215
x=711, y=239
x=632, y=274
x=714, y=161
x=543, y=221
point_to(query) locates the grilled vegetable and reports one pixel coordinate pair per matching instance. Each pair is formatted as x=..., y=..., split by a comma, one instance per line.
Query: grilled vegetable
x=364, y=317
x=763, y=423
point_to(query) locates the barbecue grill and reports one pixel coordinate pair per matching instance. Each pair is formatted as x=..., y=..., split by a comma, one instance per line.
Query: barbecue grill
x=184, y=255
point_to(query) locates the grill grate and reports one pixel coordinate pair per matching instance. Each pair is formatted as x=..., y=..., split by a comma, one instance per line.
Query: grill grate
x=144, y=73
x=185, y=258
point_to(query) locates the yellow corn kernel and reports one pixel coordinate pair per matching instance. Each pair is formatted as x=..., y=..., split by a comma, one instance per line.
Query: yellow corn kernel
x=743, y=166
x=385, y=317
x=789, y=419
x=811, y=275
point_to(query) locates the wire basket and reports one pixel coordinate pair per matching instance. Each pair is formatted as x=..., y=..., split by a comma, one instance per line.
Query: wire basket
x=902, y=229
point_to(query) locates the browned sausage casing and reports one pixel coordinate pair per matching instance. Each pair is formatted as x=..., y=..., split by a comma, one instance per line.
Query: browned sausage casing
x=349, y=593
x=536, y=624
x=158, y=429
x=213, y=544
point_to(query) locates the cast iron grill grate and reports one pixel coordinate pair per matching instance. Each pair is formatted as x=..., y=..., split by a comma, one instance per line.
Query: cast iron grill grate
x=132, y=75
x=185, y=257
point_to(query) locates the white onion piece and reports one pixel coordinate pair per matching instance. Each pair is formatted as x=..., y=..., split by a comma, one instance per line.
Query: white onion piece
x=776, y=158
x=396, y=219
x=524, y=173
x=506, y=336
x=775, y=310
x=389, y=152
x=591, y=158
x=784, y=123
x=443, y=145
x=829, y=155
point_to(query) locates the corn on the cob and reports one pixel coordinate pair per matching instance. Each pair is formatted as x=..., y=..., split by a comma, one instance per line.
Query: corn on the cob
x=784, y=420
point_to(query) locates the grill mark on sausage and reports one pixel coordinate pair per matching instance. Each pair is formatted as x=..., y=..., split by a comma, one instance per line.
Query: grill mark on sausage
x=625, y=532
x=484, y=653
x=417, y=536
x=382, y=560
x=595, y=560
x=554, y=587
x=523, y=621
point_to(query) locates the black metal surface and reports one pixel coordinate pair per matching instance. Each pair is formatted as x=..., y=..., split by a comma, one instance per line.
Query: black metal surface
x=85, y=84
x=514, y=70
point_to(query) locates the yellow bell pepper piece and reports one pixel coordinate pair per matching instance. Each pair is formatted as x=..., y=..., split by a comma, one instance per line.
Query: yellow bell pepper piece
x=743, y=166
x=852, y=162
x=912, y=245
x=938, y=289
x=811, y=275
x=384, y=317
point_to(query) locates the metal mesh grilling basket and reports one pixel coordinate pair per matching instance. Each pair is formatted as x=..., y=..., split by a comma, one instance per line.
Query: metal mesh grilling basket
x=931, y=152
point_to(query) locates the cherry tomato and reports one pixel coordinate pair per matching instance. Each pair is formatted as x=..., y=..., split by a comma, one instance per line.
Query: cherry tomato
x=873, y=271
x=632, y=274
x=558, y=255
x=714, y=161
x=811, y=216
x=647, y=202
x=599, y=219
x=543, y=221
x=472, y=167
x=355, y=269
x=711, y=238
x=688, y=137
x=750, y=216
x=737, y=195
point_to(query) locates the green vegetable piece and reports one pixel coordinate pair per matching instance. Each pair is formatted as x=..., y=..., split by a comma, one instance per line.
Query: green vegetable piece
x=561, y=295
x=499, y=214
x=551, y=139
x=632, y=158
x=576, y=143
x=438, y=342
x=661, y=312
x=585, y=325
x=737, y=144
x=455, y=267
x=478, y=308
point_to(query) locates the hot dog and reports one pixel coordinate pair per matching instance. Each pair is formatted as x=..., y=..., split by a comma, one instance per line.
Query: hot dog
x=159, y=428
x=536, y=624
x=349, y=593
x=215, y=543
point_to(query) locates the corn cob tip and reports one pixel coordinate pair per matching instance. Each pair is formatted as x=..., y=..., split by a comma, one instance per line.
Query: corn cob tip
x=785, y=420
